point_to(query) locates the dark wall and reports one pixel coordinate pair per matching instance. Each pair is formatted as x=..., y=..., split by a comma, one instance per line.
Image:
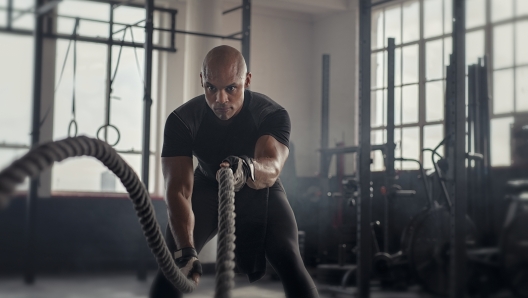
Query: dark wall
x=81, y=234
x=77, y=234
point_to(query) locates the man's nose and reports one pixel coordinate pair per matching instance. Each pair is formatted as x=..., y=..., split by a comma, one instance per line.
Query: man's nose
x=221, y=97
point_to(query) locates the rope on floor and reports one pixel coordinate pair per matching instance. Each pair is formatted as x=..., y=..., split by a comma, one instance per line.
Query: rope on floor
x=43, y=157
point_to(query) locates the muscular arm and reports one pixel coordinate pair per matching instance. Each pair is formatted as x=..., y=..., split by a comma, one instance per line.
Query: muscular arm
x=270, y=156
x=178, y=174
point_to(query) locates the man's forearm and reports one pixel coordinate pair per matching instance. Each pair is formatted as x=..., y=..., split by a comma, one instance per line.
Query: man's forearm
x=267, y=170
x=181, y=220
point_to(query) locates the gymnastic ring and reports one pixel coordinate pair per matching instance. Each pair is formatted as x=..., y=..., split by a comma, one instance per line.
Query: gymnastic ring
x=109, y=125
x=74, y=124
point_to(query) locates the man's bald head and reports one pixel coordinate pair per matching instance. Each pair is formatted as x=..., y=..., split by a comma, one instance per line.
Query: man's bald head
x=224, y=78
x=224, y=60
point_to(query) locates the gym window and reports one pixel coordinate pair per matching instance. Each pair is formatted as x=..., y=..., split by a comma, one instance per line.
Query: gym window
x=422, y=29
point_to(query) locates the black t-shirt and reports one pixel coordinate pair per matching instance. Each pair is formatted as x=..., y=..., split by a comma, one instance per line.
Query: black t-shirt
x=193, y=129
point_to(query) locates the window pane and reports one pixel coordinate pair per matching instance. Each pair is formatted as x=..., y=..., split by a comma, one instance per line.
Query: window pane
x=393, y=23
x=411, y=21
x=7, y=156
x=522, y=42
x=3, y=16
x=521, y=8
x=377, y=70
x=378, y=107
x=16, y=85
x=397, y=66
x=433, y=18
x=127, y=99
x=397, y=151
x=500, y=141
x=397, y=106
x=448, y=48
x=503, y=91
x=86, y=28
x=378, y=137
x=87, y=174
x=377, y=29
x=410, y=104
x=522, y=89
x=77, y=174
x=130, y=15
x=433, y=135
x=503, y=46
x=474, y=47
x=90, y=10
x=501, y=9
x=90, y=89
x=434, y=101
x=433, y=54
x=410, y=64
x=475, y=13
x=410, y=146
x=448, y=12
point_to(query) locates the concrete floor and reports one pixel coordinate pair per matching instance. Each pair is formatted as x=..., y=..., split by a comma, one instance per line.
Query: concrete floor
x=127, y=286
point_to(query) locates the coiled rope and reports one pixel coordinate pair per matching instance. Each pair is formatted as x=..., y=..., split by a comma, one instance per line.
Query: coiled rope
x=43, y=157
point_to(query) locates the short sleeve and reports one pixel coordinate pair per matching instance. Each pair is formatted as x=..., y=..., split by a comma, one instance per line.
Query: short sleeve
x=277, y=125
x=177, y=140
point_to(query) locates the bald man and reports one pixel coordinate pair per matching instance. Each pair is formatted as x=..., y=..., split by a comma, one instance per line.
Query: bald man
x=230, y=126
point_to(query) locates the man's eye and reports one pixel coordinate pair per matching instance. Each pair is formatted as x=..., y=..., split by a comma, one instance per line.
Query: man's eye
x=231, y=88
x=211, y=88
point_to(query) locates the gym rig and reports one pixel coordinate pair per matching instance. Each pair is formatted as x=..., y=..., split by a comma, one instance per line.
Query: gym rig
x=426, y=245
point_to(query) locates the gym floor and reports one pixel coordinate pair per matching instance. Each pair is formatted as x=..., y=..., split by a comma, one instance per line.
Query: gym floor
x=127, y=286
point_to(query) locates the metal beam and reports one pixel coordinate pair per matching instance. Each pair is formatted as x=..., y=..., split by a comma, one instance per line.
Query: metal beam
x=459, y=210
x=364, y=234
x=389, y=154
x=232, y=9
x=32, y=200
x=246, y=29
x=147, y=104
x=325, y=117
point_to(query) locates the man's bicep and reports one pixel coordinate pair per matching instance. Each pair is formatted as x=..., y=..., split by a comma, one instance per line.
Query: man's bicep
x=268, y=147
x=178, y=174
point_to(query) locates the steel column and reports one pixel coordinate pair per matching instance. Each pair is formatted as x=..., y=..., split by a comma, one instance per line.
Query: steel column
x=459, y=210
x=31, y=211
x=9, y=14
x=109, y=71
x=389, y=154
x=325, y=106
x=147, y=103
x=246, y=31
x=364, y=235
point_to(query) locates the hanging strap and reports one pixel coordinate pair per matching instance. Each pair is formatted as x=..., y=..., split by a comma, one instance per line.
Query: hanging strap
x=73, y=122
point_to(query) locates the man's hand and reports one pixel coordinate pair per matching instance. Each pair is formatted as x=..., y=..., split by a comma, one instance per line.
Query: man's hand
x=243, y=169
x=187, y=260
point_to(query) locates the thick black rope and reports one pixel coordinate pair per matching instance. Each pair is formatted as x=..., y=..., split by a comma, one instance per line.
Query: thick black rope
x=225, y=263
x=43, y=157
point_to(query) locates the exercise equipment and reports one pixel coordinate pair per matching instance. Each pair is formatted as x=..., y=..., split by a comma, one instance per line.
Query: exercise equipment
x=43, y=156
x=73, y=121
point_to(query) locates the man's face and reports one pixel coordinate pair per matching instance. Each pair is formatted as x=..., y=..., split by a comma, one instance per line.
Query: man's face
x=224, y=91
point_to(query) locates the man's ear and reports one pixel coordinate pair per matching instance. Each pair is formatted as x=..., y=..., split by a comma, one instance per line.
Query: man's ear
x=247, y=83
x=201, y=79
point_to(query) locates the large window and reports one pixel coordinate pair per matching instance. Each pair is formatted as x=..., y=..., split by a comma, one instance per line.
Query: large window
x=422, y=30
x=89, y=83
x=126, y=101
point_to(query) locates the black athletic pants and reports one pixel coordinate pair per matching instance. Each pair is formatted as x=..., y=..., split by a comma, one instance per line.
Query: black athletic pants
x=282, y=248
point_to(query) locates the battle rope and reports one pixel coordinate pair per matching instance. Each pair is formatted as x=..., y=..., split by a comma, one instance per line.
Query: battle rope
x=226, y=235
x=43, y=156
